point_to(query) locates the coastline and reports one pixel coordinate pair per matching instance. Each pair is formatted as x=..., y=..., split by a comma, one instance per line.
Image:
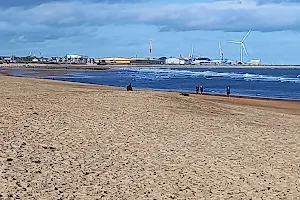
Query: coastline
x=219, y=97
x=106, y=67
x=74, y=140
x=40, y=73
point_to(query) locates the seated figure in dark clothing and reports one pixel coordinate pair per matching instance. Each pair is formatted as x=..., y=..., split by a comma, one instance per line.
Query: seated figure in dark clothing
x=129, y=87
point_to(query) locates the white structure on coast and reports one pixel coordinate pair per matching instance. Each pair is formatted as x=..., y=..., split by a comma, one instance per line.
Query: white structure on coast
x=175, y=61
x=255, y=62
x=74, y=56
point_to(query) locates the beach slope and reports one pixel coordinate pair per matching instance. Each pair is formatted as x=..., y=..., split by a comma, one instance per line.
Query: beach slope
x=76, y=141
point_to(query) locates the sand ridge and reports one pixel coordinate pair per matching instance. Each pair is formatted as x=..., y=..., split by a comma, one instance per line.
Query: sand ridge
x=76, y=141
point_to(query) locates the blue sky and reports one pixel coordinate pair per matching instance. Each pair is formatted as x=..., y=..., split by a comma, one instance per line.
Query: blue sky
x=100, y=28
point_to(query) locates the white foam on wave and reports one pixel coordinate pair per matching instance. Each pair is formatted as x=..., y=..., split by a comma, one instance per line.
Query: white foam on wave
x=80, y=75
x=165, y=73
x=72, y=76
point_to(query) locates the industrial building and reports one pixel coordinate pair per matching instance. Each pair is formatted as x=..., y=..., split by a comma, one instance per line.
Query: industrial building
x=255, y=62
x=175, y=61
x=129, y=61
x=74, y=56
x=204, y=61
x=146, y=61
x=9, y=59
x=114, y=61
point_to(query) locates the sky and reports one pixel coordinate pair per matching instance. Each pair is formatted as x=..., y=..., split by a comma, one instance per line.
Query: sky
x=101, y=28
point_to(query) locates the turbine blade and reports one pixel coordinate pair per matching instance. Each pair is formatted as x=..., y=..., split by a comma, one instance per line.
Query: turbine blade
x=245, y=50
x=220, y=47
x=244, y=38
x=234, y=42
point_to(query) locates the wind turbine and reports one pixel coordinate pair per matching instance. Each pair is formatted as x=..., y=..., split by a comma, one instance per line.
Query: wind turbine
x=221, y=52
x=243, y=47
x=40, y=52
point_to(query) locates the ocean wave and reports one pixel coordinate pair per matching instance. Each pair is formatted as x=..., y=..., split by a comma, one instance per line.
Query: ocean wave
x=167, y=73
x=67, y=77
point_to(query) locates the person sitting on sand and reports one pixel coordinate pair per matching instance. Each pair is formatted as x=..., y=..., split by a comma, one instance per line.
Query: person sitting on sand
x=197, y=89
x=228, y=91
x=129, y=87
x=201, y=89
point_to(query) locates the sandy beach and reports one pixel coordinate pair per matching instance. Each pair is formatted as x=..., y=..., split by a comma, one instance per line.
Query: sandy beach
x=64, y=140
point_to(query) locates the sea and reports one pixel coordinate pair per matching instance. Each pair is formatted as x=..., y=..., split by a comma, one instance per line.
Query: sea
x=253, y=82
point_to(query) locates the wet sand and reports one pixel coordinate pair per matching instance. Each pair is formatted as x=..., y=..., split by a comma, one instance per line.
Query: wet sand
x=78, y=141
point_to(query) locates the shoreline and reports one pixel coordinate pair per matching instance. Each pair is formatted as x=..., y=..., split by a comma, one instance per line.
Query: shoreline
x=108, y=66
x=157, y=90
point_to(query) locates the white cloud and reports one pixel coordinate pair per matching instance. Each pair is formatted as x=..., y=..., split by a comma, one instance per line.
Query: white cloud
x=64, y=19
x=31, y=3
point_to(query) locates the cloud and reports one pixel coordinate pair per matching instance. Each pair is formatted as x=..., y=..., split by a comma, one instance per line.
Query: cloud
x=30, y=3
x=54, y=20
x=277, y=1
x=264, y=1
x=260, y=2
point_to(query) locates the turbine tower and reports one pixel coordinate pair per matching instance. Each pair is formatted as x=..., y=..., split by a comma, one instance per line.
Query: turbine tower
x=150, y=49
x=243, y=47
x=221, y=52
x=40, y=52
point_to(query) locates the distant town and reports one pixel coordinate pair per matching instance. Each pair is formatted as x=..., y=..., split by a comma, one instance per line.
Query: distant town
x=76, y=59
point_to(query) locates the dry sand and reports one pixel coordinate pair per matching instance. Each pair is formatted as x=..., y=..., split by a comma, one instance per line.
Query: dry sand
x=75, y=141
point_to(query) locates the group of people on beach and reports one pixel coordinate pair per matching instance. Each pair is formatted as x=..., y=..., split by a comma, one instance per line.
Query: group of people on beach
x=200, y=88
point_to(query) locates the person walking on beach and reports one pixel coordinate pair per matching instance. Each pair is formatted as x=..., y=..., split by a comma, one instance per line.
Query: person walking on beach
x=228, y=91
x=129, y=87
x=201, y=89
x=197, y=89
